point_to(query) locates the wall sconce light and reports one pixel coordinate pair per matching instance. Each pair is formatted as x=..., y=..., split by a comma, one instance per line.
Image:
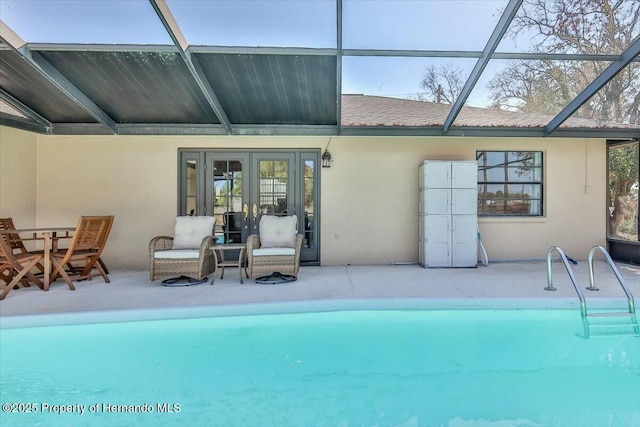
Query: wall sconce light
x=326, y=156
x=326, y=159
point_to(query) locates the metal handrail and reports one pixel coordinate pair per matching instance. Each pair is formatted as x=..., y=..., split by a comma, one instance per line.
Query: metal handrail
x=565, y=261
x=630, y=301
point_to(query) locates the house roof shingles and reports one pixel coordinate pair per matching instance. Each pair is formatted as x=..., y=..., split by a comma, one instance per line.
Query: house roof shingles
x=366, y=110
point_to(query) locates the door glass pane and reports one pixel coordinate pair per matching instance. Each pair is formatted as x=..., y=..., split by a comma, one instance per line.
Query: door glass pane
x=273, y=187
x=309, y=229
x=623, y=191
x=227, y=205
x=190, y=189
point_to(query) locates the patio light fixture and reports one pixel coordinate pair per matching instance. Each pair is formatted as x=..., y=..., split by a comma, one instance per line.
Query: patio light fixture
x=326, y=159
x=326, y=156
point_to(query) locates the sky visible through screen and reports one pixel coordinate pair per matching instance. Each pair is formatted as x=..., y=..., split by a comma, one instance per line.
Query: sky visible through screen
x=443, y=25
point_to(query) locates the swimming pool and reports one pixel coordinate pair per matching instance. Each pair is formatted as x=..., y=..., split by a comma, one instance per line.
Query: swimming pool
x=407, y=368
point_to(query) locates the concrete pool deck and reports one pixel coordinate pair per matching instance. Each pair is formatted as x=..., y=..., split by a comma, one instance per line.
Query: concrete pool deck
x=520, y=281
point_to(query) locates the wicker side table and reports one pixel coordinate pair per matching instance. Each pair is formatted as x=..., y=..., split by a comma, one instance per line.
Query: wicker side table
x=240, y=262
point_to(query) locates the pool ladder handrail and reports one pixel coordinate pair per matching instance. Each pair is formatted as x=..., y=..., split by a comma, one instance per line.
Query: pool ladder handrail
x=592, y=286
x=565, y=261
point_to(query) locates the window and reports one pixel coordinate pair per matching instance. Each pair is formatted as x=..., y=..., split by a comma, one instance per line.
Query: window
x=509, y=183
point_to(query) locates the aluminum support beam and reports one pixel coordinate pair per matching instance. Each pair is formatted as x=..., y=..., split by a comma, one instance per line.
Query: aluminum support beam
x=49, y=72
x=537, y=56
x=339, y=65
x=191, y=129
x=310, y=130
x=74, y=47
x=6, y=97
x=308, y=51
x=609, y=73
x=416, y=53
x=76, y=95
x=264, y=50
x=165, y=15
x=506, y=18
x=488, y=132
x=24, y=124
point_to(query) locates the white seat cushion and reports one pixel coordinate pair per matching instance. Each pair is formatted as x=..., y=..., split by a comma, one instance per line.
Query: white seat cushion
x=177, y=254
x=190, y=230
x=278, y=231
x=273, y=251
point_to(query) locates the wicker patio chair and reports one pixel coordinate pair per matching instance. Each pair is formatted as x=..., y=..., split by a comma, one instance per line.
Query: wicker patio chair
x=21, y=264
x=188, y=257
x=276, y=249
x=81, y=258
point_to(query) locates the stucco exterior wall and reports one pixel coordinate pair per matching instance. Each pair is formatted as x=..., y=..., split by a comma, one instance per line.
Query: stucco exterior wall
x=369, y=196
x=133, y=178
x=18, y=176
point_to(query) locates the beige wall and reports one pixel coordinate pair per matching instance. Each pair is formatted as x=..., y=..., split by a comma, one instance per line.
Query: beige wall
x=369, y=195
x=375, y=180
x=133, y=178
x=18, y=176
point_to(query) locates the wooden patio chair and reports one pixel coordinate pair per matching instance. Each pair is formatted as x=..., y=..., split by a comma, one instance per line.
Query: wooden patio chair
x=14, y=268
x=78, y=261
x=6, y=271
x=16, y=245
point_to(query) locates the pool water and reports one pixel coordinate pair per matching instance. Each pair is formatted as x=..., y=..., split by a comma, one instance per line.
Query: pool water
x=436, y=368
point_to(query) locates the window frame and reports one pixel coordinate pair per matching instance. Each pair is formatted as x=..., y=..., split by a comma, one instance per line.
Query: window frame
x=505, y=166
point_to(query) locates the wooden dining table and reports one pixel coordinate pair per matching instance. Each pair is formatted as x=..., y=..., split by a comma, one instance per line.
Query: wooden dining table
x=50, y=237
